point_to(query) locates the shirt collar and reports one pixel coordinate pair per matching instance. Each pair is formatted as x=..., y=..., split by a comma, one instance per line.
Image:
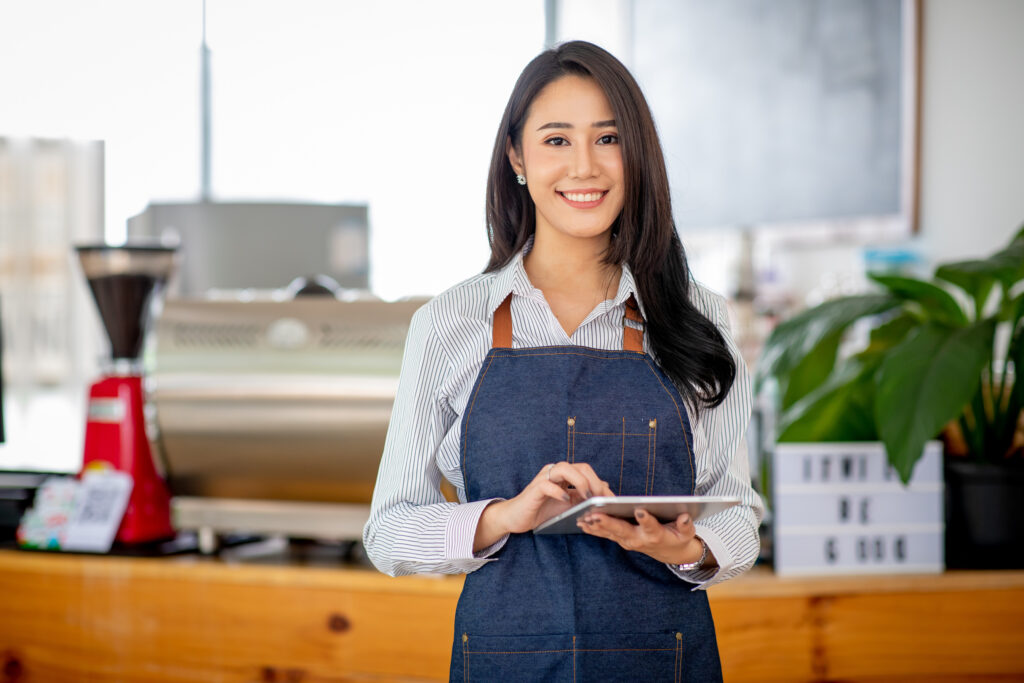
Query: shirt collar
x=512, y=278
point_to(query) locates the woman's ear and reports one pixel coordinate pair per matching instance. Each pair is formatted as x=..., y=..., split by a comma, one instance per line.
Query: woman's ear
x=513, y=158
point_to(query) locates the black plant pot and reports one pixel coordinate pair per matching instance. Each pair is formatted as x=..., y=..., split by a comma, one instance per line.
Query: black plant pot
x=984, y=514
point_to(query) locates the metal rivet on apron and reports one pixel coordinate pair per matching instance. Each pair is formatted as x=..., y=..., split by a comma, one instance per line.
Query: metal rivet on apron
x=652, y=424
x=679, y=636
x=464, y=637
x=571, y=421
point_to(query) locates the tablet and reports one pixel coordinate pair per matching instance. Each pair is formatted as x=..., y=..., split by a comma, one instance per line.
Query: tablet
x=665, y=508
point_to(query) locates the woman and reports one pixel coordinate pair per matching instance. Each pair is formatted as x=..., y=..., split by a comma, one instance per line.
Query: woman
x=582, y=361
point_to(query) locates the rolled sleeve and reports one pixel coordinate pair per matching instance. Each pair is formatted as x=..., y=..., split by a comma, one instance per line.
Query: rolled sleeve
x=462, y=531
x=412, y=528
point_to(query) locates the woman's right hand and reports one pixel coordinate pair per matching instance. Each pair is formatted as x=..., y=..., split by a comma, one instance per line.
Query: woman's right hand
x=555, y=489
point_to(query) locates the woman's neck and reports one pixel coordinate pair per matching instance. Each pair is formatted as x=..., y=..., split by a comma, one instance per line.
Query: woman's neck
x=572, y=267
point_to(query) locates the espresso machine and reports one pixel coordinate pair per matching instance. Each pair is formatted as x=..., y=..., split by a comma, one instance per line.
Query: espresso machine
x=124, y=280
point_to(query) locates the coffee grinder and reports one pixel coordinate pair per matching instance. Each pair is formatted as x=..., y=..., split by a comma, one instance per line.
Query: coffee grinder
x=124, y=280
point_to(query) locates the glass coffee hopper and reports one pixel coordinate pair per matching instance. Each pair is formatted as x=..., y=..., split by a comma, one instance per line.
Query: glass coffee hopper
x=124, y=280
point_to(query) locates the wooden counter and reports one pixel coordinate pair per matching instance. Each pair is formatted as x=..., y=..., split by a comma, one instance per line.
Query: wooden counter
x=78, y=618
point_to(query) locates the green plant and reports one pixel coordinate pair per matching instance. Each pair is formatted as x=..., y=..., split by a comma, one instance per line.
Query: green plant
x=933, y=356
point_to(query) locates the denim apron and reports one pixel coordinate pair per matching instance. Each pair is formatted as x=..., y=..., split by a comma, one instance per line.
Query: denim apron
x=576, y=607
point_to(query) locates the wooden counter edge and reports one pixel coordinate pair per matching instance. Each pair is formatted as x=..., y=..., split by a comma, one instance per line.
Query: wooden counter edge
x=760, y=582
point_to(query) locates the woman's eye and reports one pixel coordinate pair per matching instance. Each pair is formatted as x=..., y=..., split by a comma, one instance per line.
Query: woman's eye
x=609, y=139
x=556, y=141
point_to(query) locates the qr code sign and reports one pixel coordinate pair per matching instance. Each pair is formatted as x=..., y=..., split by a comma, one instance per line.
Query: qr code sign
x=99, y=506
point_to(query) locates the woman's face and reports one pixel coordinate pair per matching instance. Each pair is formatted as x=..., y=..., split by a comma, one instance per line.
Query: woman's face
x=571, y=158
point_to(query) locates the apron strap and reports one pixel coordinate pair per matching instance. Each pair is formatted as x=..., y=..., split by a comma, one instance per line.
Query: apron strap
x=632, y=335
x=501, y=333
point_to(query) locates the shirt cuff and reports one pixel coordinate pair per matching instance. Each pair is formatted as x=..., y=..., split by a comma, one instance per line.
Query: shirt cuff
x=704, y=578
x=461, y=531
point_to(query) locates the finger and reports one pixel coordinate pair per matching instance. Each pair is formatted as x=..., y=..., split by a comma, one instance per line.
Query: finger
x=545, y=472
x=568, y=473
x=648, y=523
x=596, y=485
x=612, y=528
x=684, y=525
x=593, y=524
x=553, y=490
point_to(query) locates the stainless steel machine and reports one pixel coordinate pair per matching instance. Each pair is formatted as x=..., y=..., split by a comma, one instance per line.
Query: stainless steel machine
x=270, y=415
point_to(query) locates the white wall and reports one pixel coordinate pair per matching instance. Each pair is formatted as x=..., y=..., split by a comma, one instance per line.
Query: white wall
x=972, y=138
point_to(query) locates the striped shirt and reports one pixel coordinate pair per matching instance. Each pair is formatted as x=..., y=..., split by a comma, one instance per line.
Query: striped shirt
x=413, y=529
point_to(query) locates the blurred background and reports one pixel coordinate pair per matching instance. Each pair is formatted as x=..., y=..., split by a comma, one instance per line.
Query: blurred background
x=806, y=142
x=320, y=165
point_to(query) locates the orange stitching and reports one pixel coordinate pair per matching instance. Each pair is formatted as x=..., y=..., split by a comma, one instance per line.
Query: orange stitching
x=679, y=656
x=626, y=649
x=579, y=649
x=654, y=452
x=647, y=476
x=516, y=652
x=573, y=439
x=689, y=451
x=622, y=459
x=465, y=433
x=614, y=433
x=465, y=658
x=676, y=667
x=574, y=659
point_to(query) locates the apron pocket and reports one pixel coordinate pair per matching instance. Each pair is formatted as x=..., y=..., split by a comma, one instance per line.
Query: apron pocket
x=630, y=657
x=622, y=449
x=516, y=658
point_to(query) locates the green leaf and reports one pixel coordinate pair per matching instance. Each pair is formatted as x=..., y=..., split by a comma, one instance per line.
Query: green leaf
x=1006, y=266
x=811, y=371
x=977, y=284
x=936, y=302
x=1016, y=355
x=1013, y=311
x=838, y=410
x=890, y=333
x=796, y=338
x=924, y=383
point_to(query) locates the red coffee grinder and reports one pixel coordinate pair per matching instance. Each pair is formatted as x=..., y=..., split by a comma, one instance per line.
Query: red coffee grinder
x=123, y=280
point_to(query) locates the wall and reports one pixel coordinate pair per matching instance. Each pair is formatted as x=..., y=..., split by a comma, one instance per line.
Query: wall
x=972, y=140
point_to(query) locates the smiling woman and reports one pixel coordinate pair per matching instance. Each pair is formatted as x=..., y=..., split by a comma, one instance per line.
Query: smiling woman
x=576, y=364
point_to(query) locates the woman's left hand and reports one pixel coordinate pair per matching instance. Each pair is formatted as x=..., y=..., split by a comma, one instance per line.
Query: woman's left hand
x=674, y=543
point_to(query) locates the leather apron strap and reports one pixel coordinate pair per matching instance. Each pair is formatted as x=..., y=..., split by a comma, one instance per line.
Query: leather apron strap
x=632, y=326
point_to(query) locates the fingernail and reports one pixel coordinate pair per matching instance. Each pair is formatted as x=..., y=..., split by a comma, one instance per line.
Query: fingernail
x=565, y=497
x=640, y=514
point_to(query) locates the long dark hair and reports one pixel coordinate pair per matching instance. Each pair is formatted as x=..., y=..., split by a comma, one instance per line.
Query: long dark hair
x=687, y=346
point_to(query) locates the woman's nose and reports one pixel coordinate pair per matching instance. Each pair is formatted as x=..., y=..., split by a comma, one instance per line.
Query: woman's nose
x=582, y=165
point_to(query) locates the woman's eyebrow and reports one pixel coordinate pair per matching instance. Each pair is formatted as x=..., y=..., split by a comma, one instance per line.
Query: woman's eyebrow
x=596, y=124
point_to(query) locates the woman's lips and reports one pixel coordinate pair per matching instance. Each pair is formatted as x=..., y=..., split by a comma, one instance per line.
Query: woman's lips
x=586, y=199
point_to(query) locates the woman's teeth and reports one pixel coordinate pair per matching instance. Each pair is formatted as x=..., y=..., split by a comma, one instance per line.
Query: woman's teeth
x=577, y=197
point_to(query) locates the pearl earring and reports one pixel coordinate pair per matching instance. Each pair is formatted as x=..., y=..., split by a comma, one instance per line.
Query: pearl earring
x=520, y=178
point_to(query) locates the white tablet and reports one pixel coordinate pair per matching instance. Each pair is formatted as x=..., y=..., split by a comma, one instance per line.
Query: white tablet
x=665, y=508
